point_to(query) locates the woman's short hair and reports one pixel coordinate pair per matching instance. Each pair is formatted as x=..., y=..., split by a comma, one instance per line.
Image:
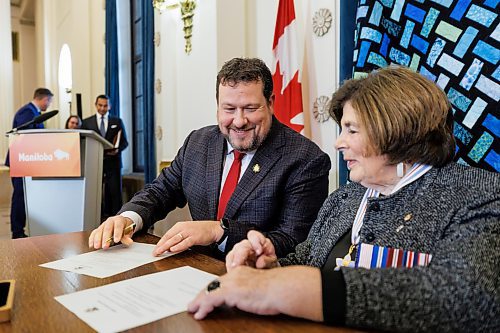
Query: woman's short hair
x=406, y=117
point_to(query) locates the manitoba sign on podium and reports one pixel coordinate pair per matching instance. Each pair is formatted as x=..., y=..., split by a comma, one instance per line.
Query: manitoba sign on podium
x=62, y=172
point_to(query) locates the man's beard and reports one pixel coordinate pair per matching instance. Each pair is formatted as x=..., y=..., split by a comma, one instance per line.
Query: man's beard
x=254, y=144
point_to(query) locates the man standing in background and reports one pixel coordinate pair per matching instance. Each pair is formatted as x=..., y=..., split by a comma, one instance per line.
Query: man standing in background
x=112, y=129
x=41, y=101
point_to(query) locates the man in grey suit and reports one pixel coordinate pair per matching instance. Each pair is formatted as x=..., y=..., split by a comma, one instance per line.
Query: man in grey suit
x=249, y=172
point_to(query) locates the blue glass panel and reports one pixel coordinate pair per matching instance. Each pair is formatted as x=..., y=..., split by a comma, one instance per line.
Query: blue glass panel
x=419, y=43
x=459, y=10
x=465, y=41
x=487, y=52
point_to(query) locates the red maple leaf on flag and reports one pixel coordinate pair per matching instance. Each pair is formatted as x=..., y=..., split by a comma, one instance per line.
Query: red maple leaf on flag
x=289, y=104
x=287, y=88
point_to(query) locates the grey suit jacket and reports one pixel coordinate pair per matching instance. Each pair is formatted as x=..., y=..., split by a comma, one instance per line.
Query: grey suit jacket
x=282, y=199
x=455, y=214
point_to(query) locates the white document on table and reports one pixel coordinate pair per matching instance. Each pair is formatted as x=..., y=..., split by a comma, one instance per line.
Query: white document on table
x=105, y=263
x=134, y=302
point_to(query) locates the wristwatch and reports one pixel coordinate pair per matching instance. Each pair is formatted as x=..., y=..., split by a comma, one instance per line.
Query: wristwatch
x=224, y=224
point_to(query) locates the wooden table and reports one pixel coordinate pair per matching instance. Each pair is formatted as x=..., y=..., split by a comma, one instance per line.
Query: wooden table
x=36, y=310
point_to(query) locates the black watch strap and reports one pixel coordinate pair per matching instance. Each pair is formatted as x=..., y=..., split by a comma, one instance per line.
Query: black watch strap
x=224, y=224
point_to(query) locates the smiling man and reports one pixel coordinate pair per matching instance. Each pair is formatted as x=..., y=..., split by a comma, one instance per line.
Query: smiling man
x=249, y=172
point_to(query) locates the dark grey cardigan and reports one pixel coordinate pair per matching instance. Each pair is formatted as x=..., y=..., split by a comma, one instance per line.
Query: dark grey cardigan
x=455, y=217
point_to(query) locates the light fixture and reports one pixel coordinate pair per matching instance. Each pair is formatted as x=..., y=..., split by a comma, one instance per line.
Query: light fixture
x=161, y=5
x=187, y=13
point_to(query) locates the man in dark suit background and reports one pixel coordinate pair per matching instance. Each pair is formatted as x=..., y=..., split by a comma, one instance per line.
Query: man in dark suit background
x=42, y=98
x=281, y=183
x=112, y=129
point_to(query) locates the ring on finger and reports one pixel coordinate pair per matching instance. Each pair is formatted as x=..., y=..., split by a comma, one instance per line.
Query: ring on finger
x=215, y=284
x=180, y=235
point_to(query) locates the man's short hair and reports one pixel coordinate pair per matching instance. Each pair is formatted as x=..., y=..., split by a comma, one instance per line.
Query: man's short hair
x=245, y=70
x=106, y=97
x=41, y=93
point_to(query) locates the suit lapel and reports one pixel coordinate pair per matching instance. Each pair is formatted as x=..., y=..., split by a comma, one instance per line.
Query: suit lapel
x=36, y=113
x=33, y=109
x=93, y=124
x=262, y=163
x=214, y=173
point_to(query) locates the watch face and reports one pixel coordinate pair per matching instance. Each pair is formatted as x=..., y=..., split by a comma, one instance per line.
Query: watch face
x=224, y=223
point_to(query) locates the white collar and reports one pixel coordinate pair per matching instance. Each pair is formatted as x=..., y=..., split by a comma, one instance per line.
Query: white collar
x=98, y=115
x=37, y=108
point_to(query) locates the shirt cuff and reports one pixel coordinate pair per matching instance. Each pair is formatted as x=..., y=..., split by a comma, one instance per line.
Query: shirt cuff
x=222, y=246
x=334, y=297
x=136, y=218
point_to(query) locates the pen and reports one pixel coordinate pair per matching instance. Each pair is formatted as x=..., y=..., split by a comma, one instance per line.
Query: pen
x=125, y=231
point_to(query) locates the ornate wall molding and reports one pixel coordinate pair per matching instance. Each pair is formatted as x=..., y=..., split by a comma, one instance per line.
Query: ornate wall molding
x=322, y=22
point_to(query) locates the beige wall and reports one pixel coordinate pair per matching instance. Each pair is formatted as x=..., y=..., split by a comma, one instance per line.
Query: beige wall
x=81, y=25
x=24, y=82
x=6, y=77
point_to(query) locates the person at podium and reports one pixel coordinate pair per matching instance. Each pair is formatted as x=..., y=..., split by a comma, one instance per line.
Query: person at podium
x=42, y=97
x=112, y=129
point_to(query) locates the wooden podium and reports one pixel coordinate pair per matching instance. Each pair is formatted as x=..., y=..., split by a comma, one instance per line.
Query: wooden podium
x=62, y=172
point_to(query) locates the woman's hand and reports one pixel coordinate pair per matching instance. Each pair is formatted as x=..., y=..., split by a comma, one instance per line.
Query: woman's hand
x=255, y=251
x=295, y=291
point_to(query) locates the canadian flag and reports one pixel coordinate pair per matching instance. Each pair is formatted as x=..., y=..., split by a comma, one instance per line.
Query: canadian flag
x=287, y=88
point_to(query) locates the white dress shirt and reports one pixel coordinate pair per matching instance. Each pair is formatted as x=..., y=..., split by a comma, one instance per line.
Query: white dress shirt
x=98, y=116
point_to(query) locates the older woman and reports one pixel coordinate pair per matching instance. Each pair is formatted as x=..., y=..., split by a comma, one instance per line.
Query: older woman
x=411, y=244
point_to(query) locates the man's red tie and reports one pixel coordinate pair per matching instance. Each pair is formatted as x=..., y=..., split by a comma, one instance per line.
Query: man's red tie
x=231, y=181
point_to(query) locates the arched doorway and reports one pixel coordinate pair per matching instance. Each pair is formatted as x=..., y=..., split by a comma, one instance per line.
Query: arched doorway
x=65, y=82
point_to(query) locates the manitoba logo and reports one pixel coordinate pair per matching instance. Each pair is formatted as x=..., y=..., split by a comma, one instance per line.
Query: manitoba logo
x=44, y=157
x=61, y=154
x=36, y=157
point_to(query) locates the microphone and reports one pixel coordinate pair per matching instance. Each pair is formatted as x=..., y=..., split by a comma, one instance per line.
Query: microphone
x=37, y=120
x=44, y=116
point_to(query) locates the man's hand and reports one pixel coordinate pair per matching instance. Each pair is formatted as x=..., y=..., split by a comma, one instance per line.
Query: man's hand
x=255, y=251
x=112, y=152
x=111, y=229
x=183, y=235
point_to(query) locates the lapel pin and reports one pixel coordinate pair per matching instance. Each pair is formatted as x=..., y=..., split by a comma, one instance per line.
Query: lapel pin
x=256, y=168
x=407, y=217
